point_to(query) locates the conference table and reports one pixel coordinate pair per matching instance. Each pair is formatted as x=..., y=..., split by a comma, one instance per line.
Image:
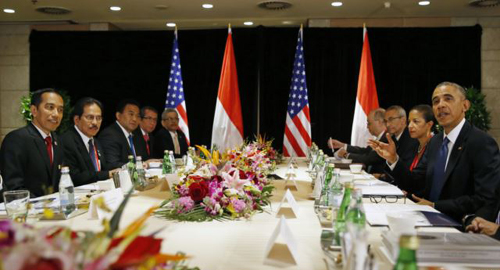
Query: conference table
x=239, y=244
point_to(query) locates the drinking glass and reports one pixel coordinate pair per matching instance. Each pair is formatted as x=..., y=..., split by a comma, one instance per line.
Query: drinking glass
x=16, y=204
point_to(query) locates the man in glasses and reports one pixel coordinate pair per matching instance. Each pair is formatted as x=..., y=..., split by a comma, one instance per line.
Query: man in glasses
x=170, y=137
x=31, y=156
x=82, y=151
x=395, y=121
x=117, y=139
x=143, y=136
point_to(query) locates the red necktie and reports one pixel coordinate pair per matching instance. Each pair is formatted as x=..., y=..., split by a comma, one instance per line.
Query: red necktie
x=146, y=138
x=48, y=143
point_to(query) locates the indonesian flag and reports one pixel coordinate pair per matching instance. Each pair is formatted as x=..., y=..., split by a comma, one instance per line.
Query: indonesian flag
x=227, y=131
x=366, y=99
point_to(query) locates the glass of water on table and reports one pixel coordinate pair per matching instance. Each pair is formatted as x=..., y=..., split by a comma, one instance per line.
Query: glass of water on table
x=16, y=204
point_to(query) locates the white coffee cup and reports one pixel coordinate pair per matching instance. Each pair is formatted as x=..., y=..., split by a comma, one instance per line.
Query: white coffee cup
x=356, y=168
x=402, y=222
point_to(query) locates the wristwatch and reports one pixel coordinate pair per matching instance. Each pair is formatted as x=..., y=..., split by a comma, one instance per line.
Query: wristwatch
x=467, y=219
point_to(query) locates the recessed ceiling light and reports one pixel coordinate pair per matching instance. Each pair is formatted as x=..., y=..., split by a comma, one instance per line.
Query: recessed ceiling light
x=9, y=10
x=424, y=3
x=248, y=23
x=207, y=6
x=337, y=4
x=115, y=8
x=171, y=24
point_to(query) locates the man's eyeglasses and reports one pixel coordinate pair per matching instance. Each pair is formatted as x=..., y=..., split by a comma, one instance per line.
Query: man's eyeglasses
x=171, y=119
x=91, y=118
x=387, y=199
x=391, y=119
x=149, y=118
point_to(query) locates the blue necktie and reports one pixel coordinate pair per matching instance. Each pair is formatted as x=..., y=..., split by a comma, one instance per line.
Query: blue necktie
x=498, y=218
x=439, y=171
x=131, y=141
x=92, y=154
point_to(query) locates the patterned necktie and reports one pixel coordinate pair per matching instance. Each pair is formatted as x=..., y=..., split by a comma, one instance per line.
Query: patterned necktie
x=48, y=143
x=177, y=148
x=132, y=148
x=92, y=154
x=439, y=171
x=146, y=138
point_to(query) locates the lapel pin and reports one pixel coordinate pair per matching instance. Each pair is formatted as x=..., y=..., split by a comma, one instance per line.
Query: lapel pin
x=55, y=143
x=460, y=148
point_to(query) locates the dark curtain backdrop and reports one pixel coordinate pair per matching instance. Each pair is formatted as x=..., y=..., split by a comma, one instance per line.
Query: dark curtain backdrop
x=408, y=64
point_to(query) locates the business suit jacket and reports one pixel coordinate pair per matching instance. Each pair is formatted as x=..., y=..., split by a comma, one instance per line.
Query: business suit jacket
x=141, y=149
x=163, y=141
x=25, y=163
x=406, y=147
x=115, y=145
x=77, y=157
x=472, y=174
x=366, y=155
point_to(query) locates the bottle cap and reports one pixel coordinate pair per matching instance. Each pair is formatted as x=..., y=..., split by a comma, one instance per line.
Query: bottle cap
x=130, y=156
x=349, y=185
x=409, y=242
x=65, y=169
x=171, y=152
x=166, y=151
x=331, y=165
x=138, y=158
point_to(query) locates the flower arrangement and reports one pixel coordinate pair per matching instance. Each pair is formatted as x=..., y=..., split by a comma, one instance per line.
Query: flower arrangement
x=233, y=187
x=23, y=247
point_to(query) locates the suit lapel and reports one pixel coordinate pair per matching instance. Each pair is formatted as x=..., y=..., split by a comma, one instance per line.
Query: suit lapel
x=124, y=139
x=458, y=149
x=57, y=149
x=40, y=145
x=82, y=148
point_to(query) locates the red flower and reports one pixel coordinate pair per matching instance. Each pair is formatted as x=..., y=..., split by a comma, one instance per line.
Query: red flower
x=198, y=191
x=141, y=249
x=216, y=178
x=44, y=264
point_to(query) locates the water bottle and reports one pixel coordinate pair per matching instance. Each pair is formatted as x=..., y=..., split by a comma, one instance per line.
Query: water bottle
x=336, y=191
x=141, y=173
x=407, y=259
x=356, y=216
x=166, y=166
x=172, y=161
x=131, y=168
x=66, y=192
x=326, y=184
x=340, y=226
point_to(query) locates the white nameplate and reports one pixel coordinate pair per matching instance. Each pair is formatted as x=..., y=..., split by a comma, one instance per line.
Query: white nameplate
x=112, y=200
x=288, y=207
x=172, y=180
x=290, y=182
x=318, y=186
x=281, y=249
x=125, y=181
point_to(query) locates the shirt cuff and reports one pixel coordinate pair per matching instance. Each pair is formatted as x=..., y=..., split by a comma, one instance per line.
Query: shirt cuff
x=393, y=165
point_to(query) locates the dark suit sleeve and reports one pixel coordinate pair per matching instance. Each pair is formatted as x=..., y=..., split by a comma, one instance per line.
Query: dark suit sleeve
x=111, y=149
x=485, y=166
x=497, y=234
x=12, y=158
x=368, y=159
x=357, y=149
x=411, y=181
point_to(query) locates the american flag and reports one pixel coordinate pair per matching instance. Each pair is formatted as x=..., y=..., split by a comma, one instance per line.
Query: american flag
x=298, y=121
x=175, y=93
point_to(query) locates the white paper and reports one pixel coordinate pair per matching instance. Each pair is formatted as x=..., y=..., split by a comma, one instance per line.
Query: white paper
x=376, y=213
x=172, y=180
x=106, y=184
x=125, y=181
x=282, y=235
x=112, y=199
x=292, y=205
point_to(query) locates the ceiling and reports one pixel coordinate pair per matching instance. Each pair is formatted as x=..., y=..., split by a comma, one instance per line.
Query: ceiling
x=145, y=14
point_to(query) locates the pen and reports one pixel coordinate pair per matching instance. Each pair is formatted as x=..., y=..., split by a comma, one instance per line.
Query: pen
x=42, y=200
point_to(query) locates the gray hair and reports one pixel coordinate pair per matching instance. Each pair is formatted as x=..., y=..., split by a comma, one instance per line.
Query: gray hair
x=169, y=110
x=378, y=114
x=399, y=109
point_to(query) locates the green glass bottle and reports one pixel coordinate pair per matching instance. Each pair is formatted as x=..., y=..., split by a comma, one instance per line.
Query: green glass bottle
x=166, y=166
x=407, y=259
x=131, y=168
x=325, y=191
x=356, y=214
x=340, y=226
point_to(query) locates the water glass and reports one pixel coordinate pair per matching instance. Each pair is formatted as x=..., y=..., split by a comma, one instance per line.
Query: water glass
x=16, y=204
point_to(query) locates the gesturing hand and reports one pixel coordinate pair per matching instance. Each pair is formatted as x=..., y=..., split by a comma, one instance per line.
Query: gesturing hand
x=386, y=150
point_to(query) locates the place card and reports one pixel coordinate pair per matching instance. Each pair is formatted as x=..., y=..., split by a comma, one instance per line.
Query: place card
x=172, y=180
x=281, y=249
x=290, y=182
x=112, y=200
x=125, y=181
x=318, y=186
x=106, y=185
x=288, y=207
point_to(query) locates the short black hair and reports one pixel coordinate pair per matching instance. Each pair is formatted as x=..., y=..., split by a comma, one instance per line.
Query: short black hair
x=82, y=103
x=149, y=108
x=426, y=112
x=457, y=86
x=124, y=102
x=36, y=96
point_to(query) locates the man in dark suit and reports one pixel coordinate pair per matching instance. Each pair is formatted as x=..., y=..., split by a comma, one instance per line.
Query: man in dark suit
x=143, y=136
x=31, y=157
x=373, y=162
x=117, y=139
x=82, y=151
x=170, y=137
x=461, y=167
x=395, y=121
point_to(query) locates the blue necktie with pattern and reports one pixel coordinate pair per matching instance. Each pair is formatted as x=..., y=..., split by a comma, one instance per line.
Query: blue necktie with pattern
x=439, y=171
